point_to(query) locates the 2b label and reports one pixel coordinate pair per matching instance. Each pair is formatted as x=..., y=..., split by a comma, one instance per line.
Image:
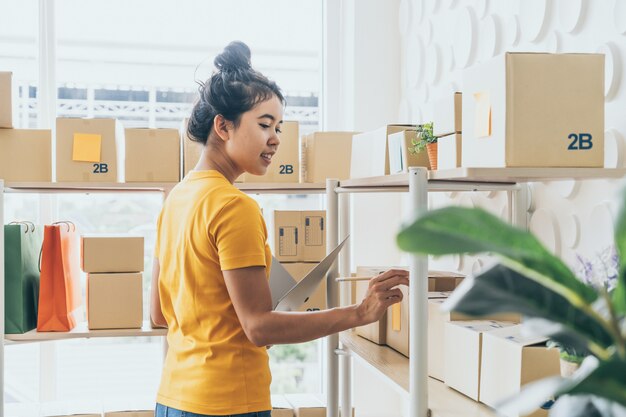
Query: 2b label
x=100, y=168
x=580, y=142
x=286, y=169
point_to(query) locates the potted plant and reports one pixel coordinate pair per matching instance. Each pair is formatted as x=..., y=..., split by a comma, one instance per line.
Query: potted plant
x=591, y=320
x=424, y=139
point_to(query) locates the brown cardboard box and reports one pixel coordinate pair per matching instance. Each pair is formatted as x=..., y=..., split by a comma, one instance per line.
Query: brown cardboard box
x=375, y=332
x=371, y=157
x=26, y=155
x=300, y=236
x=514, y=118
x=146, y=413
x=298, y=271
x=6, y=99
x=444, y=280
x=112, y=253
x=89, y=150
x=462, y=350
x=285, y=166
x=400, y=158
x=306, y=405
x=191, y=150
x=510, y=360
x=281, y=407
x=114, y=301
x=152, y=155
x=325, y=155
x=447, y=115
x=449, y=151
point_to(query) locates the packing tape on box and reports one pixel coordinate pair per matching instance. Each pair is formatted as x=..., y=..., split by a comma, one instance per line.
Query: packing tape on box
x=396, y=317
x=87, y=147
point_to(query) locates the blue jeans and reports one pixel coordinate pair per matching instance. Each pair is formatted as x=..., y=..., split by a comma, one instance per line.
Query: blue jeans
x=163, y=411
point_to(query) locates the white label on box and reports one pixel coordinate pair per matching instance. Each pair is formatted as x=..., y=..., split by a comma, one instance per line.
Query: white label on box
x=288, y=241
x=313, y=231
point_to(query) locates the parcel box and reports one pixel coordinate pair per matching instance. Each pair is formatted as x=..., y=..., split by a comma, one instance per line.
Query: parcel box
x=370, y=155
x=447, y=115
x=510, y=360
x=191, y=150
x=377, y=331
x=400, y=157
x=112, y=253
x=306, y=405
x=300, y=236
x=285, y=166
x=534, y=110
x=462, y=350
x=325, y=155
x=114, y=301
x=26, y=155
x=89, y=150
x=449, y=154
x=6, y=99
x=317, y=301
x=152, y=155
x=281, y=407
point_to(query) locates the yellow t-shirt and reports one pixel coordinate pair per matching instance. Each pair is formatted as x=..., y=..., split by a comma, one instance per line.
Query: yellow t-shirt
x=206, y=226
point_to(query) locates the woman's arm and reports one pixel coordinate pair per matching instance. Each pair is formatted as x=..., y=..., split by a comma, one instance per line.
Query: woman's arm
x=156, y=315
x=249, y=291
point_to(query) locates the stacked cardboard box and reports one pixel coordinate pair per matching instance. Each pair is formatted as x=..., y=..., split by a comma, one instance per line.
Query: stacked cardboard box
x=281, y=407
x=152, y=155
x=400, y=156
x=114, y=280
x=448, y=127
x=285, y=166
x=325, y=155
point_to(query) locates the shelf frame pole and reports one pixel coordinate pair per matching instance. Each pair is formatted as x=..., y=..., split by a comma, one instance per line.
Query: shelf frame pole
x=332, y=298
x=345, y=372
x=2, y=297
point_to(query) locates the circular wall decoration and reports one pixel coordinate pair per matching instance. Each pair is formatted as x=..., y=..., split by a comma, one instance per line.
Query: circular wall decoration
x=554, y=43
x=451, y=62
x=533, y=16
x=512, y=31
x=570, y=230
x=531, y=200
x=417, y=10
x=404, y=15
x=603, y=224
x=490, y=37
x=431, y=6
x=465, y=38
x=612, y=69
x=404, y=112
x=466, y=201
x=433, y=64
x=451, y=194
x=426, y=32
x=414, y=61
x=565, y=188
x=613, y=149
x=571, y=13
x=619, y=16
x=481, y=7
x=477, y=266
x=545, y=227
x=416, y=113
x=450, y=4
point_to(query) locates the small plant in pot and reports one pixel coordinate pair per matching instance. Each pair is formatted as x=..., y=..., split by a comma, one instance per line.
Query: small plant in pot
x=425, y=139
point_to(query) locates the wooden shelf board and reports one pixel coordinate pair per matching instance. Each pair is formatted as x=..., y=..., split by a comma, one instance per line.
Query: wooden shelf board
x=81, y=331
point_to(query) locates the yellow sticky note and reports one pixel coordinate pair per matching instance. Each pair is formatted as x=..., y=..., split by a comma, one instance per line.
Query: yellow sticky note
x=482, y=121
x=396, y=317
x=87, y=147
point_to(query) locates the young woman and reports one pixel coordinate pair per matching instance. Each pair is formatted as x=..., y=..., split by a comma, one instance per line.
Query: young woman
x=212, y=261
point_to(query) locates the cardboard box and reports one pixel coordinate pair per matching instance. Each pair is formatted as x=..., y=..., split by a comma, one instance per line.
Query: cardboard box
x=463, y=347
x=152, y=155
x=26, y=155
x=112, y=253
x=6, y=99
x=370, y=155
x=510, y=360
x=400, y=158
x=285, y=166
x=114, y=301
x=377, y=331
x=306, y=405
x=146, y=413
x=300, y=236
x=447, y=115
x=514, y=118
x=325, y=155
x=89, y=150
x=449, y=151
x=317, y=301
x=191, y=150
x=281, y=407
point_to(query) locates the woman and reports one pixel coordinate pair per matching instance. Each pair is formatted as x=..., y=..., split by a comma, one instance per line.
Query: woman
x=212, y=259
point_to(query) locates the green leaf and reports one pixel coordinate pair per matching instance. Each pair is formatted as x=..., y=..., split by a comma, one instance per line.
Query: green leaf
x=455, y=230
x=501, y=289
x=619, y=294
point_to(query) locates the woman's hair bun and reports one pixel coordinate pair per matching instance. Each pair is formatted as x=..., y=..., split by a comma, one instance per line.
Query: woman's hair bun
x=236, y=56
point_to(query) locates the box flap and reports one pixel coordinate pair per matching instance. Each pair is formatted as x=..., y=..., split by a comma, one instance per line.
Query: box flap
x=515, y=334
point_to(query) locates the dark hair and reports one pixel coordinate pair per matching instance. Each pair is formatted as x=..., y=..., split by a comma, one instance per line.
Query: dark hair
x=231, y=91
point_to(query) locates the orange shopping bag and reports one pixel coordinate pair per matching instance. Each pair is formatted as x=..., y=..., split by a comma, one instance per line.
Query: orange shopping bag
x=59, y=291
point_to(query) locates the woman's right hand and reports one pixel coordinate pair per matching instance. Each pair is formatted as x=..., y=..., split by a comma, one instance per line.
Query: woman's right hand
x=381, y=294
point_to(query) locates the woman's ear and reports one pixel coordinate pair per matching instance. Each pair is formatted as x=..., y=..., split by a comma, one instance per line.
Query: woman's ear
x=222, y=127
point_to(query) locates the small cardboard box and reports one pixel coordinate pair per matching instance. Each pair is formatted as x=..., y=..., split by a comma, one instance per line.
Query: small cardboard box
x=306, y=405
x=510, y=360
x=281, y=407
x=114, y=301
x=144, y=413
x=317, y=301
x=462, y=350
x=514, y=118
x=370, y=155
x=300, y=236
x=26, y=155
x=447, y=115
x=325, y=155
x=152, y=155
x=6, y=99
x=377, y=331
x=191, y=150
x=400, y=158
x=449, y=151
x=89, y=150
x=112, y=253
x=285, y=166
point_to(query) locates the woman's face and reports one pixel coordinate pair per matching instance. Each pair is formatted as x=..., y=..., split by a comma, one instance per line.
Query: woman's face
x=255, y=141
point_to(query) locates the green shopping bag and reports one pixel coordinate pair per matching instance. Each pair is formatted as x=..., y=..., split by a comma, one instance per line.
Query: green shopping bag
x=22, y=244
